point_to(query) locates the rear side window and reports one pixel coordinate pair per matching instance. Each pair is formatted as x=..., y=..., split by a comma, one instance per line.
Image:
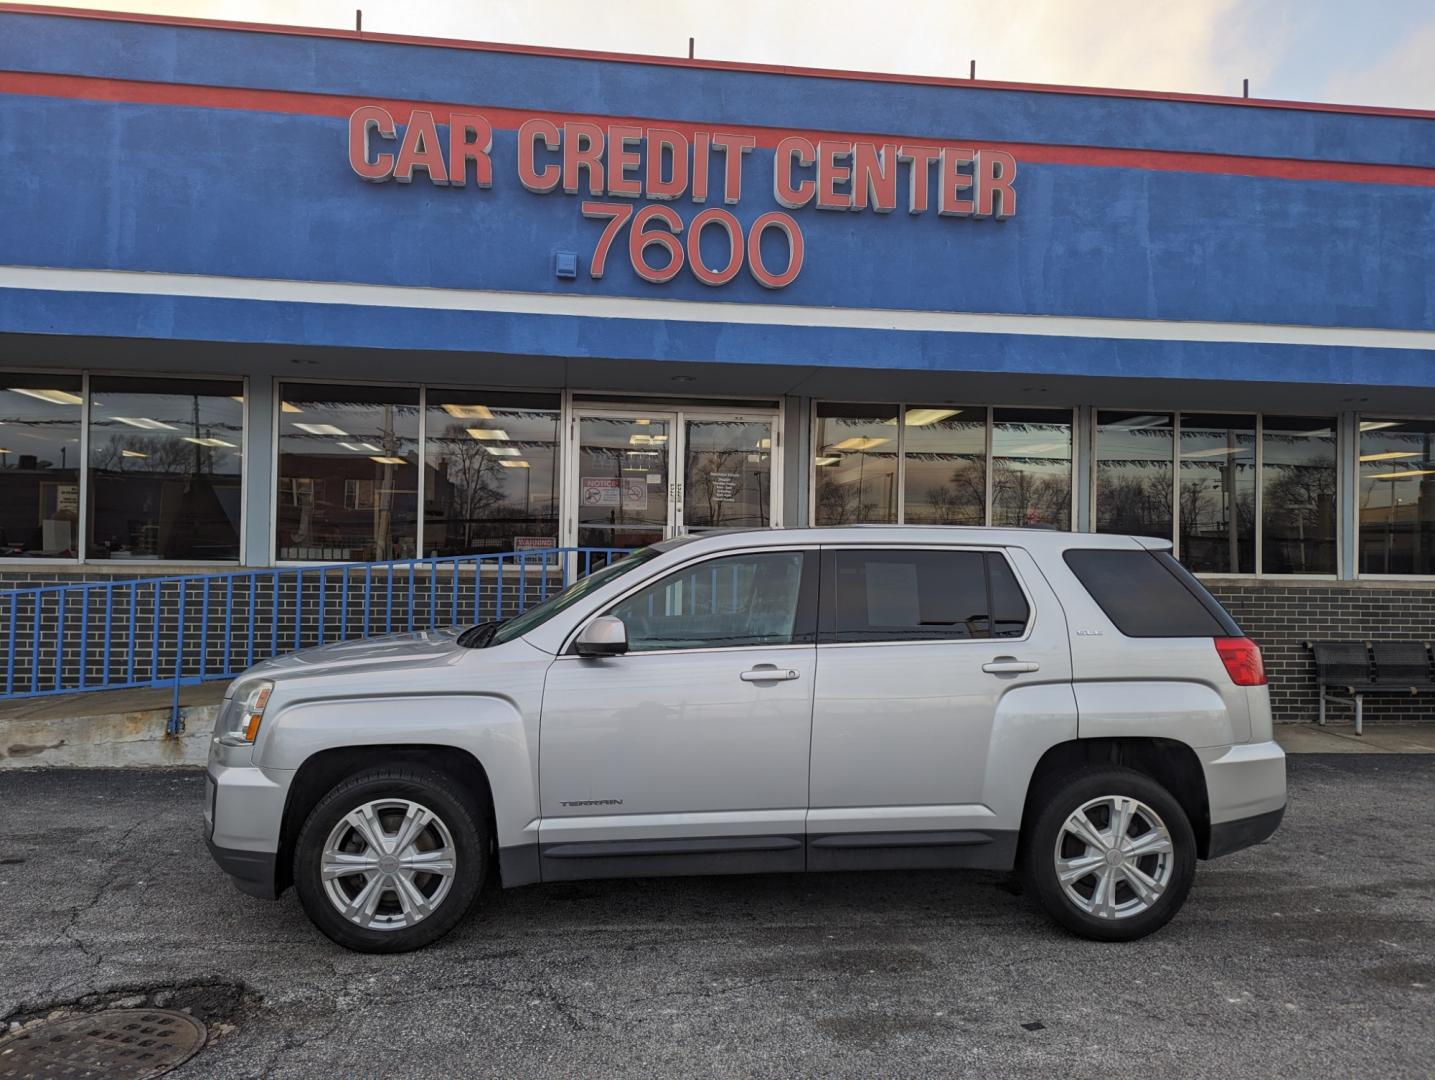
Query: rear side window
x=919, y=595
x=1149, y=594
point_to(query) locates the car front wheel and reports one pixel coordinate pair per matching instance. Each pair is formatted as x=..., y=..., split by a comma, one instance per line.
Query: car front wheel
x=391, y=859
x=1111, y=855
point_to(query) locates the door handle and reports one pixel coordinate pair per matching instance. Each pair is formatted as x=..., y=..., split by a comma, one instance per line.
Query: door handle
x=1008, y=665
x=768, y=674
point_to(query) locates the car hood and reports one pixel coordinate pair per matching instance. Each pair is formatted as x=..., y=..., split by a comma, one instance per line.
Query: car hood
x=391, y=652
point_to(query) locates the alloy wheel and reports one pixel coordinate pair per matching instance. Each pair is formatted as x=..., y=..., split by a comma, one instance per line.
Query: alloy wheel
x=388, y=864
x=1114, y=857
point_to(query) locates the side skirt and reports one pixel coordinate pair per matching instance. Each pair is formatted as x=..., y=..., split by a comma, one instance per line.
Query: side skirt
x=686, y=856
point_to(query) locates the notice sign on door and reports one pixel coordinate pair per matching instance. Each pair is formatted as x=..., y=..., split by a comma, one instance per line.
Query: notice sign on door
x=725, y=486
x=635, y=493
x=601, y=491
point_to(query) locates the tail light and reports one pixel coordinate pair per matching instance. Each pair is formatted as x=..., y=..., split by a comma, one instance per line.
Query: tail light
x=1242, y=658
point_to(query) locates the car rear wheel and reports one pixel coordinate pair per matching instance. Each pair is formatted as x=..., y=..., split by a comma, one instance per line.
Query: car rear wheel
x=1111, y=855
x=391, y=859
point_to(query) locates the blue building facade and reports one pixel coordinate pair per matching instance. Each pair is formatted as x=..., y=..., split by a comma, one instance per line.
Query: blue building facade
x=273, y=296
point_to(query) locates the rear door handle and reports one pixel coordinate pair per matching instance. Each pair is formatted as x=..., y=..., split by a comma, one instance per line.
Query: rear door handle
x=1006, y=665
x=768, y=674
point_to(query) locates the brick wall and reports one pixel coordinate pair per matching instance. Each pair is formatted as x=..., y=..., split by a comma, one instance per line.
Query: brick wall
x=1281, y=617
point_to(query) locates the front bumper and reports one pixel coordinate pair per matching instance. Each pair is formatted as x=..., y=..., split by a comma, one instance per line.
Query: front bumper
x=244, y=811
x=252, y=871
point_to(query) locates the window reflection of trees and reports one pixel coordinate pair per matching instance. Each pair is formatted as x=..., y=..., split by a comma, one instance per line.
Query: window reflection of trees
x=1298, y=487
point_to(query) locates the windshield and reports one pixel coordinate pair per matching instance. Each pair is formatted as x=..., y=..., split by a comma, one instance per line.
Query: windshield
x=537, y=616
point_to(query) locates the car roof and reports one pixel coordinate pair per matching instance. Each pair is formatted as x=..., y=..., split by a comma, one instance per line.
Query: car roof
x=1032, y=539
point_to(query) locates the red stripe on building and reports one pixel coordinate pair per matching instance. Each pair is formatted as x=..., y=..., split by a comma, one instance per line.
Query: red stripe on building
x=86, y=88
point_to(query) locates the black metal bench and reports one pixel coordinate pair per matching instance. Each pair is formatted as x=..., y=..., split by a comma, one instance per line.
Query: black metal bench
x=1350, y=671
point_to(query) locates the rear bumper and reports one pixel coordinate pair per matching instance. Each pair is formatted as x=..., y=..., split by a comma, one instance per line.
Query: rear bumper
x=1246, y=792
x=252, y=871
x=1231, y=836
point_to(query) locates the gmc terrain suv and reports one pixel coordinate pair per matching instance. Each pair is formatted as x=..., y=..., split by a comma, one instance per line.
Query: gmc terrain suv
x=860, y=698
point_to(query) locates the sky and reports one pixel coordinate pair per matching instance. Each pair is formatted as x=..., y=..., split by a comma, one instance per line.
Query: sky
x=1364, y=52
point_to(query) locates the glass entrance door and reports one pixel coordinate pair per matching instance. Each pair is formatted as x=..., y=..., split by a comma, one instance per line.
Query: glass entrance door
x=727, y=473
x=640, y=476
x=623, y=488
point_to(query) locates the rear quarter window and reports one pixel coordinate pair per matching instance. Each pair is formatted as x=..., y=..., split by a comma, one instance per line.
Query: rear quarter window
x=1149, y=594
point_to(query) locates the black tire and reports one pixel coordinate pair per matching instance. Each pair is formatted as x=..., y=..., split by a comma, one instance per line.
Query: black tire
x=457, y=812
x=1040, y=852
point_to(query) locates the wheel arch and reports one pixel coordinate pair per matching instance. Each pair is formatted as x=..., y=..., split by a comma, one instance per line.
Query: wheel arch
x=321, y=771
x=1171, y=763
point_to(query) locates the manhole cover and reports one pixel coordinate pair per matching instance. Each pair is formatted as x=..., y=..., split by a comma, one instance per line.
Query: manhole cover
x=116, y=1042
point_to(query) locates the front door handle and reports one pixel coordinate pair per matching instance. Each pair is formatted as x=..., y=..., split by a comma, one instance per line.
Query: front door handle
x=768, y=674
x=1008, y=665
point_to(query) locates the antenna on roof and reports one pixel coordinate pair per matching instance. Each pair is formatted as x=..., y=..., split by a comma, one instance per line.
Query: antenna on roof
x=1245, y=88
x=973, y=73
x=690, y=48
x=358, y=20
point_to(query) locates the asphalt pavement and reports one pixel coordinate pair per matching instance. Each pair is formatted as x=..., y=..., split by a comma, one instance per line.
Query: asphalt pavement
x=1311, y=955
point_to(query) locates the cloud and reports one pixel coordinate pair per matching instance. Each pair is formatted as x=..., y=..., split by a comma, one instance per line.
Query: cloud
x=1404, y=76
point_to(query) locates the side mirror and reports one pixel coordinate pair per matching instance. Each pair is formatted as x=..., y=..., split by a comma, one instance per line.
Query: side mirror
x=604, y=636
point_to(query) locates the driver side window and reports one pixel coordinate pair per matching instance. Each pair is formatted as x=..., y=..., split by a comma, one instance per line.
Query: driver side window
x=754, y=599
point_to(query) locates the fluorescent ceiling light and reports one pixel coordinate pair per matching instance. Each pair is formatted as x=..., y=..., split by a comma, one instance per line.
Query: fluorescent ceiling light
x=385, y=460
x=641, y=440
x=830, y=459
x=858, y=442
x=503, y=451
x=764, y=444
x=321, y=429
x=1217, y=451
x=145, y=423
x=468, y=412
x=208, y=442
x=488, y=434
x=132, y=453
x=923, y=417
x=642, y=423
x=6, y=450
x=1378, y=425
x=1035, y=448
x=1136, y=423
x=362, y=448
x=289, y=407
x=54, y=397
x=515, y=464
x=1402, y=474
x=1389, y=455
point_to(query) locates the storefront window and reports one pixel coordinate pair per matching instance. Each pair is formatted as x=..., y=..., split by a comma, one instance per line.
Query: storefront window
x=1031, y=468
x=40, y=418
x=348, y=473
x=1218, y=493
x=856, y=464
x=945, y=451
x=165, y=462
x=1133, y=473
x=1397, y=496
x=1298, y=512
x=491, y=472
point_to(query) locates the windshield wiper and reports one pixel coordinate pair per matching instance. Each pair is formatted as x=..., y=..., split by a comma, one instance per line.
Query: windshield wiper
x=478, y=637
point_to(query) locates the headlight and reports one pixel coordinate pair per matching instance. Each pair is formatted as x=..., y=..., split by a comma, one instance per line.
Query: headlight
x=249, y=714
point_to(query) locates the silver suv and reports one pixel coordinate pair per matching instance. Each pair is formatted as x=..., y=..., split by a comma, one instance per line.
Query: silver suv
x=869, y=698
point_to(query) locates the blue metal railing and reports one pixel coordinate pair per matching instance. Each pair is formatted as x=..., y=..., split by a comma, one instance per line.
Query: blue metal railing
x=184, y=630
